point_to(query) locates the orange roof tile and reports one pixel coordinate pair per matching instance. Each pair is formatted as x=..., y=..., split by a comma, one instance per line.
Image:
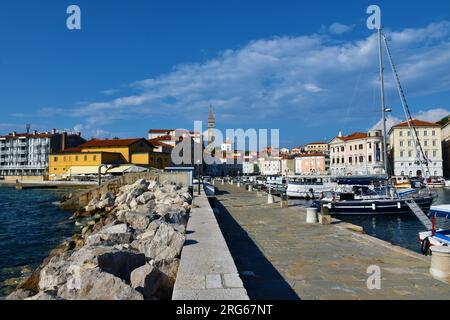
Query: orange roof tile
x=111, y=143
x=416, y=123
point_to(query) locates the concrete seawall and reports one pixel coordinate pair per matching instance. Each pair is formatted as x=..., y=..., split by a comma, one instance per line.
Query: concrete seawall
x=81, y=199
x=207, y=270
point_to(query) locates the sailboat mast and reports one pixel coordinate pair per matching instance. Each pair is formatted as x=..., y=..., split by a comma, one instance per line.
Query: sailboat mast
x=383, y=101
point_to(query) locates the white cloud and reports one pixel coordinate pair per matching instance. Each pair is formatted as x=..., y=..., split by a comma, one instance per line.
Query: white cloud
x=339, y=28
x=286, y=76
x=433, y=115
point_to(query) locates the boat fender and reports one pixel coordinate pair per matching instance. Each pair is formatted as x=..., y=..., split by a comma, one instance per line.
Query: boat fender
x=425, y=247
x=399, y=205
x=374, y=207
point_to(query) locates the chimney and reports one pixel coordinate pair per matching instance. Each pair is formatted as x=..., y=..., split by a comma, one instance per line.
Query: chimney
x=14, y=133
x=340, y=134
x=35, y=132
x=53, y=131
x=28, y=128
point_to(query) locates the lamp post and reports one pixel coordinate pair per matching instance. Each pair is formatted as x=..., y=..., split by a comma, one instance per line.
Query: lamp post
x=198, y=176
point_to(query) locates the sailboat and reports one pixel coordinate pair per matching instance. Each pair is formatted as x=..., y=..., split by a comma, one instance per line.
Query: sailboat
x=365, y=198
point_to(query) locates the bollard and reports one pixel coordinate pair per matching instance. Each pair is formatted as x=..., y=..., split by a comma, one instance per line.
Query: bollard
x=223, y=182
x=324, y=216
x=311, y=215
x=250, y=188
x=284, y=201
x=440, y=263
x=270, y=199
x=238, y=184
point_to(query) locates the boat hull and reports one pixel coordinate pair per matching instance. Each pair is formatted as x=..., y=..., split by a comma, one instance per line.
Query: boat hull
x=375, y=207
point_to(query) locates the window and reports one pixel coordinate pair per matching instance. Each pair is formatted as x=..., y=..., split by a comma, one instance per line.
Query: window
x=409, y=154
x=370, y=158
x=433, y=133
x=401, y=154
x=434, y=153
x=76, y=158
x=85, y=158
x=361, y=147
x=425, y=133
x=94, y=157
x=342, y=149
x=401, y=133
x=350, y=160
x=337, y=160
x=361, y=159
x=350, y=148
x=343, y=161
x=409, y=143
x=409, y=133
x=370, y=145
x=434, y=143
x=426, y=153
x=401, y=143
x=425, y=143
x=55, y=159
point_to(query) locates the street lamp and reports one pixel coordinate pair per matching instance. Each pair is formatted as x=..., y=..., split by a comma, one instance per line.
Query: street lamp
x=198, y=176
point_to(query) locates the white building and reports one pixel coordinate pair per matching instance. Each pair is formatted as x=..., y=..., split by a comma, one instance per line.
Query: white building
x=406, y=157
x=26, y=155
x=270, y=166
x=357, y=154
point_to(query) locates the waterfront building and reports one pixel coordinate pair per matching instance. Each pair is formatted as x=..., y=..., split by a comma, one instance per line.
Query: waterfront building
x=287, y=165
x=357, y=154
x=405, y=155
x=269, y=166
x=173, y=137
x=312, y=164
x=26, y=155
x=445, y=137
x=97, y=152
x=317, y=147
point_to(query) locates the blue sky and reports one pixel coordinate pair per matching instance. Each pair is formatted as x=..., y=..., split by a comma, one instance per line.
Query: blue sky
x=305, y=67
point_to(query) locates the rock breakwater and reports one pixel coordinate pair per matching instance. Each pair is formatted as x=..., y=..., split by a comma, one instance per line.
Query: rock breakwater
x=128, y=249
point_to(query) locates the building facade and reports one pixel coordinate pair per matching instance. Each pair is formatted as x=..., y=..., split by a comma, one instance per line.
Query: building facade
x=445, y=137
x=97, y=152
x=406, y=157
x=312, y=164
x=357, y=154
x=269, y=166
x=317, y=147
x=26, y=155
x=287, y=166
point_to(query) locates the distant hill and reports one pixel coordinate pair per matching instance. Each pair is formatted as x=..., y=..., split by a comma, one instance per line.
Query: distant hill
x=444, y=121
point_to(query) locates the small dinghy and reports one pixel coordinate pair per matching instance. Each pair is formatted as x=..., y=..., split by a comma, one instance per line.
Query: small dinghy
x=435, y=237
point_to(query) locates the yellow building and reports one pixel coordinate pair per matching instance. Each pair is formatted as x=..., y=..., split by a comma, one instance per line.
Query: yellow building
x=405, y=155
x=60, y=163
x=96, y=152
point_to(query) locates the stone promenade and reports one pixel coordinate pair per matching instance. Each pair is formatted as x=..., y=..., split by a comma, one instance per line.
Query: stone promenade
x=279, y=256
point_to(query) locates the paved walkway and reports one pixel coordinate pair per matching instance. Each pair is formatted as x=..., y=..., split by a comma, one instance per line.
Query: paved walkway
x=279, y=256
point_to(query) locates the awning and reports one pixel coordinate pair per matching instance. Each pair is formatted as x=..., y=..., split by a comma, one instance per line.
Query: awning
x=93, y=170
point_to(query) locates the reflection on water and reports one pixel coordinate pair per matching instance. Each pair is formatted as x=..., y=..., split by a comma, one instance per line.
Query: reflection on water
x=401, y=230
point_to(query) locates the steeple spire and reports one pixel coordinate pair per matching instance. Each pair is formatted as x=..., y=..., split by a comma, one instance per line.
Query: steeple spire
x=211, y=117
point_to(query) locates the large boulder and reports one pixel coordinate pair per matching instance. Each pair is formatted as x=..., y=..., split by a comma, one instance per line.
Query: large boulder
x=169, y=270
x=145, y=197
x=45, y=295
x=93, y=284
x=165, y=245
x=54, y=273
x=147, y=280
x=121, y=263
x=19, y=294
